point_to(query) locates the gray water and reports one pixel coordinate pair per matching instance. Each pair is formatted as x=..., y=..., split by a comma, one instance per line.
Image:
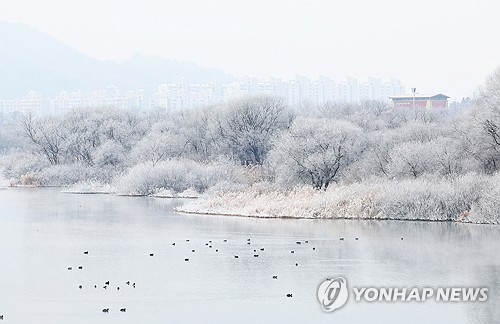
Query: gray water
x=44, y=231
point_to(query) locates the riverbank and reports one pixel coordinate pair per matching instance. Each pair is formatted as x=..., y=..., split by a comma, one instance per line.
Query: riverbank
x=470, y=199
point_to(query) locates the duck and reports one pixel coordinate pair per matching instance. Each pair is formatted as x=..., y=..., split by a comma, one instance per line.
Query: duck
x=86, y=252
x=341, y=238
x=192, y=250
x=80, y=287
x=80, y=267
x=314, y=248
x=186, y=259
x=262, y=249
x=224, y=241
x=173, y=243
x=107, y=283
x=117, y=288
x=275, y=277
x=123, y=310
x=105, y=310
x=151, y=254
x=128, y=283
x=70, y=268
x=296, y=264
x=255, y=255
x=292, y=251
x=236, y=257
x=356, y=238
x=289, y=295
x=298, y=242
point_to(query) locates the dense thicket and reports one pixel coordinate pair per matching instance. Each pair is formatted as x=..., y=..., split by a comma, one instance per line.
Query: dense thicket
x=255, y=140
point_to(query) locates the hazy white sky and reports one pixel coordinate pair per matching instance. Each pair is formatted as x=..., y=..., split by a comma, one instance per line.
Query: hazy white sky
x=447, y=46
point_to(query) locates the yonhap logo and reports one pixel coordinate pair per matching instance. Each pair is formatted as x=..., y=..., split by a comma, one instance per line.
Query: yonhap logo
x=333, y=294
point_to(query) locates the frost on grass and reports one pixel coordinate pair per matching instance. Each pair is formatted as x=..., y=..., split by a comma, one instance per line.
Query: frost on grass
x=471, y=198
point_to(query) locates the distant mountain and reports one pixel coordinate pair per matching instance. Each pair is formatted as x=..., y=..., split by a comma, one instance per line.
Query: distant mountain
x=32, y=60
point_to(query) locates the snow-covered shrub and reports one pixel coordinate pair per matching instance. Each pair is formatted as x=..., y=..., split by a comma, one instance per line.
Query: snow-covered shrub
x=487, y=206
x=23, y=168
x=176, y=175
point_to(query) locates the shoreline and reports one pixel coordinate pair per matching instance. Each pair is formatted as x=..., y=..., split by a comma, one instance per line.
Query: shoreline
x=208, y=213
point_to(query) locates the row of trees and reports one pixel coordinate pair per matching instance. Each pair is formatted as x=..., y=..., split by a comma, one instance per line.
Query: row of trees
x=281, y=145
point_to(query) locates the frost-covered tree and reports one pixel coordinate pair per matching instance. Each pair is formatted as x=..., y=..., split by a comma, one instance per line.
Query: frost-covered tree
x=315, y=150
x=245, y=127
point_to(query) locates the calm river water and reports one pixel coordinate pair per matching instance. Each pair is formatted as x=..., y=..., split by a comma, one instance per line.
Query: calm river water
x=44, y=231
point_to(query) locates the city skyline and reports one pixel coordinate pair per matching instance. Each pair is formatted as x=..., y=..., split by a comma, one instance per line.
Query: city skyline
x=182, y=94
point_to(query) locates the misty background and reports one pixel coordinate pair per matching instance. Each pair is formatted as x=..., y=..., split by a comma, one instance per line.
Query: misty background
x=441, y=46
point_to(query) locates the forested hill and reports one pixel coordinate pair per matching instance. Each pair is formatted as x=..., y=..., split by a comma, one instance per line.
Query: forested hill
x=32, y=60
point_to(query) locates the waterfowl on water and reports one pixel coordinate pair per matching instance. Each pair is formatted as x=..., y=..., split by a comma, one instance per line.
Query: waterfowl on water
x=70, y=268
x=80, y=287
x=105, y=310
x=275, y=277
x=107, y=283
x=236, y=257
x=80, y=267
x=341, y=238
x=151, y=254
x=128, y=283
x=123, y=310
x=86, y=252
x=186, y=259
x=289, y=295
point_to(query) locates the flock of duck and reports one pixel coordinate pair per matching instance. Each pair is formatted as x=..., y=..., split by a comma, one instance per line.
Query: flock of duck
x=209, y=244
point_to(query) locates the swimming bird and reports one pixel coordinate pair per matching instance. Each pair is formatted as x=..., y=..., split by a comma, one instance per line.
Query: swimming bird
x=117, y=288
x=105, y=287
x=173, y=243
x=95, y=286
x=80, y=287
x=236, y=257
x=401, y=239
x=123, y=310
x=255, y=255
x=105, y=310
x=86, y=252
x=248, y=240
x=216, y=250
x=289, y=295
x=296, y=264
x=341, y=238
x=224, y=241
x=306, y=241
x=356, y=238
x=187, y=240
x=107, y=283
x=80, y=267
x=206, y=244
x=192, y=250
x=128, y=283
x=275, y=277
x=314, y=248
x=292, y=251
x=262, y=249
x=70, y=268
x=186, y=259
x=298, y=242
x=133, y=285
x=1, y=317
x=151, y=254
x=209, y=241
